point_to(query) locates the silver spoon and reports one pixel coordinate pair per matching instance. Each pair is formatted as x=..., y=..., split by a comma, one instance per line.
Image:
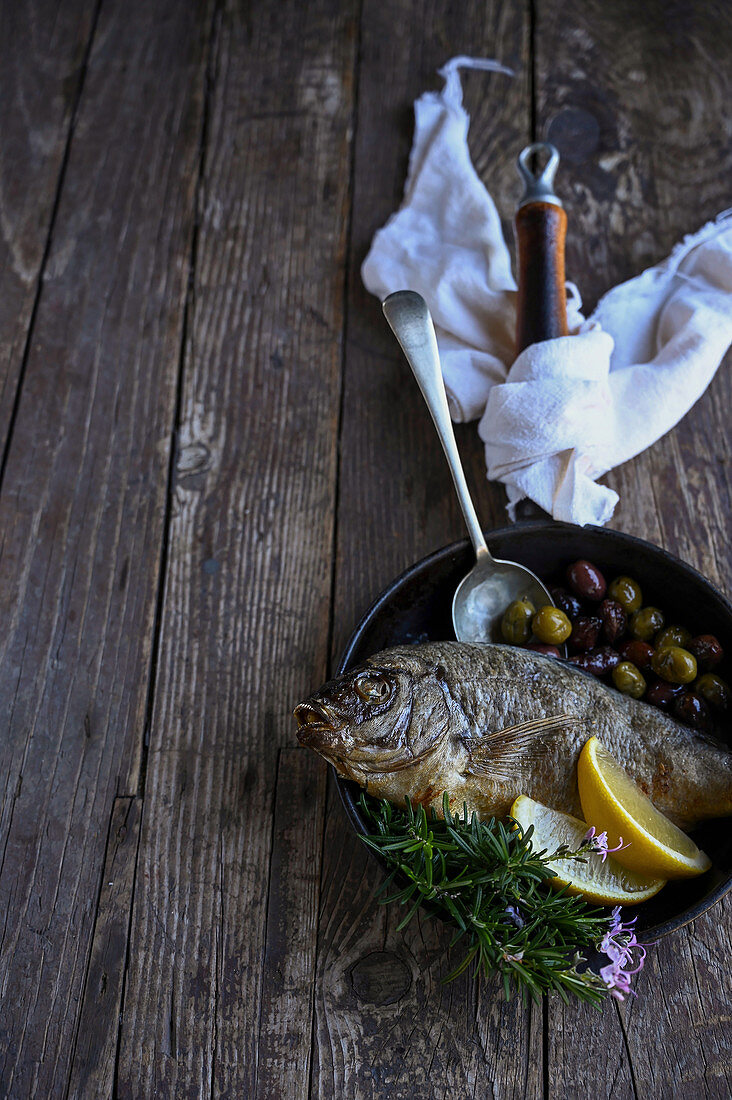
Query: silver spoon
x=491, y=585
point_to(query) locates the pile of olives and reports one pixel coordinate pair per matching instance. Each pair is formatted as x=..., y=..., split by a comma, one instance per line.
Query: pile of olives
x=610, y=633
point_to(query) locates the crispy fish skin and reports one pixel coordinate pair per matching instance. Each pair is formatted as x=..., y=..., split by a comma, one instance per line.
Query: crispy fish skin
x=489, y=722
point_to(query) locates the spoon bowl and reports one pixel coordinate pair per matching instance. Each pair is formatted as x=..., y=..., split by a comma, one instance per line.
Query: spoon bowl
x=484, y=594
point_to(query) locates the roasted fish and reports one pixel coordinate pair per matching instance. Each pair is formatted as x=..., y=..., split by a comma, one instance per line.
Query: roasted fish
x=487, y=723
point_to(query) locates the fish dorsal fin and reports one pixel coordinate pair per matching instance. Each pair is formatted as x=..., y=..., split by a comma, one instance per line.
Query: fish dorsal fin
x=502, y=752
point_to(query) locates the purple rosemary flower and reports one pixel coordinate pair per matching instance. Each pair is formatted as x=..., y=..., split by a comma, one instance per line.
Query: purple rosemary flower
x=598, y=843
x=513, y=915
x=620, y=944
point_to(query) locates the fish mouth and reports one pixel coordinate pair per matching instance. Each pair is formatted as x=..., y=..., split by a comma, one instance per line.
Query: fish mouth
x=316, y=723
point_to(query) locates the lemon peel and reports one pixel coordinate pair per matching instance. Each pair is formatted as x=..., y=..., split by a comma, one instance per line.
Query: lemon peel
x=601, y=881
x=615, y=804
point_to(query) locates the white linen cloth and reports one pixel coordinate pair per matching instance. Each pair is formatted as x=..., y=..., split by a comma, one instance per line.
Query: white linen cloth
x=567, y=410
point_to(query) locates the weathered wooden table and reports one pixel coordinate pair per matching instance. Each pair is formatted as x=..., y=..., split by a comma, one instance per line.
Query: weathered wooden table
x=214, y=459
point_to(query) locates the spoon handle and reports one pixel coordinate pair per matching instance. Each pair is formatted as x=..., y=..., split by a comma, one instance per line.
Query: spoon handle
x=410, y=321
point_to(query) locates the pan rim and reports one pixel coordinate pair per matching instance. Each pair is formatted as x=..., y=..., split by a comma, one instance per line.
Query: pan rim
x=345, y=788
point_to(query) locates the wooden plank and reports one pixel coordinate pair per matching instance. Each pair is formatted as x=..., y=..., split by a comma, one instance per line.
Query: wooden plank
x=385, y=1026
x=92, y=1068
x=586, y=1054
x=285, y=1025
x=82, y=511
x=43, y=52
x=396, y=501
x=245, y=619
x=641, y=130
x=688, y=1029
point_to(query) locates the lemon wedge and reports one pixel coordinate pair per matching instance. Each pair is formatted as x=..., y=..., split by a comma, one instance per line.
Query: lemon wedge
x=614, y=804
x=605, y=883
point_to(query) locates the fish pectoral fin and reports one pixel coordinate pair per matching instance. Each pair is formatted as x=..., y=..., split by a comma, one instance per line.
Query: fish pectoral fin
x=503, y=752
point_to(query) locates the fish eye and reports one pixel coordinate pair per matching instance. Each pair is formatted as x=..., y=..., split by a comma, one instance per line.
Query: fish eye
x=373, y=689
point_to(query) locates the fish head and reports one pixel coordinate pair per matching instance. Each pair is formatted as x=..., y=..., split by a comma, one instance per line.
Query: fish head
x=381, y=717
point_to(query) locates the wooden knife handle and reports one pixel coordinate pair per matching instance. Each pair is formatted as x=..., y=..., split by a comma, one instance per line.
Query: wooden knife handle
x=541, y=307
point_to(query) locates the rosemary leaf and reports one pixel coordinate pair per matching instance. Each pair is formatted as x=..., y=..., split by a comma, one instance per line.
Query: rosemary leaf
x=486, y=880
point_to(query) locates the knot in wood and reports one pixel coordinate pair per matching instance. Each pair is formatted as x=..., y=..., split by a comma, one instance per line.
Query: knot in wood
x=381, y=978
x=576, y=134
x=194, y=458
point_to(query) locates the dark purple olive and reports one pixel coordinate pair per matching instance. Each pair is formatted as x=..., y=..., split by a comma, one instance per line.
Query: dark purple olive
x=692, y=710
x=614, y=621
x=638, y=653
x=707, y=650
x=540, y=647
x=662, y=694
x=598, y=661
x=586, y=581
x=566, y=602
x=585, y=633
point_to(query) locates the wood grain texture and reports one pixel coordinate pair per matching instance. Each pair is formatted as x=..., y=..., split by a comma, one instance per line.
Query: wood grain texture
x=186, y=911
x=246, y=612
x=541, y=301
x=92, y=1067
x=286, y=1018
x=396, y=499
x=636, y=102
x=679, y=1031
x=386, y=1027
x=645, y=143
x=42, y=62
x=81, y=515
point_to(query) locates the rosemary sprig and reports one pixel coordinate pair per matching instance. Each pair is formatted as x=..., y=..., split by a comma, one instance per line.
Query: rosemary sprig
x=485, y=879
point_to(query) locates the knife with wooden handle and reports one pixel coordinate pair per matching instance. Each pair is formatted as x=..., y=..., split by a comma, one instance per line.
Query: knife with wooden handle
x=541, y=229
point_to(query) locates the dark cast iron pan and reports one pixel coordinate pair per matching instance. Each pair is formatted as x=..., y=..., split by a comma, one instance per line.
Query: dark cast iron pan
x=417, y=605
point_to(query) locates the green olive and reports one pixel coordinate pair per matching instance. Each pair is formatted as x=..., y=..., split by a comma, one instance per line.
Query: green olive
x=516, y=622
x=645, y=623
x=626, y=592
x=628, y=679
x=672, y=635
x=674, y=664
x=713, y=690
x=551, y=625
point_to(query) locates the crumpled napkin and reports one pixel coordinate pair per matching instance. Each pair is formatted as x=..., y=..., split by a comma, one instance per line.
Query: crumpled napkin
x=565, y=411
